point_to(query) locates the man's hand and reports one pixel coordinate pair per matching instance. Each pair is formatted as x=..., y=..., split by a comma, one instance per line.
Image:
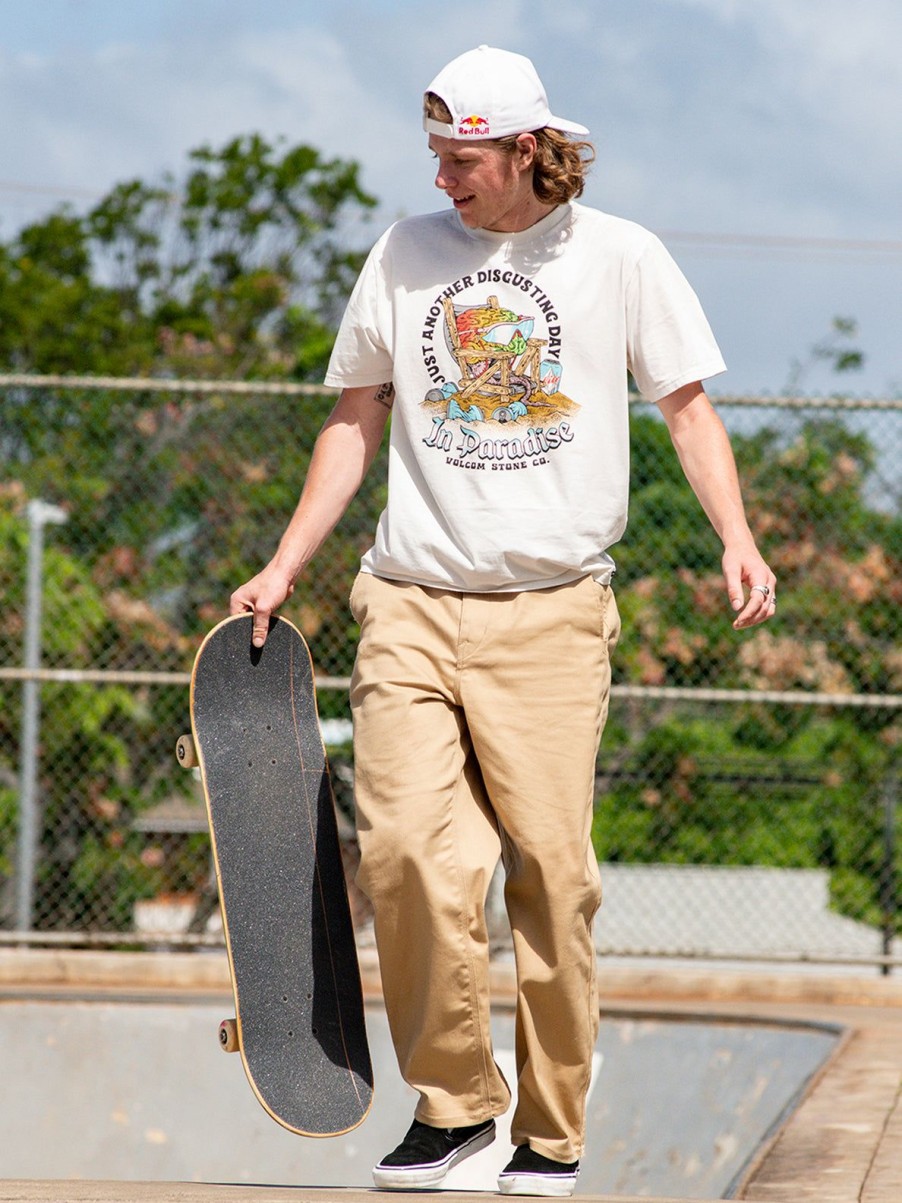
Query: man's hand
x=262, y=596
x=749, y=571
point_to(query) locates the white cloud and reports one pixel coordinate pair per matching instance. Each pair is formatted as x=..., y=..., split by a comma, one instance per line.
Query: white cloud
x=824, y=82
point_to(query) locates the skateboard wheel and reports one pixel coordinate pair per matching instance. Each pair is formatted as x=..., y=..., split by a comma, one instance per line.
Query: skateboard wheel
x=185, y=752
x=228, y=1036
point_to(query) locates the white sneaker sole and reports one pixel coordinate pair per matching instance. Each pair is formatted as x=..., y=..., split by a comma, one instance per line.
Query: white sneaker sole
x=416, y=1177
x=558, y=1186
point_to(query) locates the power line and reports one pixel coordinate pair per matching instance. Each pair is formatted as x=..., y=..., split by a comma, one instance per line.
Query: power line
x=879, y=246
x=49, y=190
x=701, y=239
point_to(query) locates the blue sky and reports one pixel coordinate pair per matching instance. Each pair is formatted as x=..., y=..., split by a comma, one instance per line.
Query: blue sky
x=733, y=120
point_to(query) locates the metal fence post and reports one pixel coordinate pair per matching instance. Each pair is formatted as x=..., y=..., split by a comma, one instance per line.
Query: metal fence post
x=888, y=874
x=40, y=514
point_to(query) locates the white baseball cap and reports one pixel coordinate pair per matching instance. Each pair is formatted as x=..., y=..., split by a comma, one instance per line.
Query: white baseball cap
x=492, y=94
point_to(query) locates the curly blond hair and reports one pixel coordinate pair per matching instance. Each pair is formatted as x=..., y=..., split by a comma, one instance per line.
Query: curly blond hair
x=561, y=164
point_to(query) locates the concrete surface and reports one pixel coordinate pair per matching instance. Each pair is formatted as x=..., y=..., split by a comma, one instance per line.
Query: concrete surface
x=842, y=1142
x=140, y=1090
x=186, y=1192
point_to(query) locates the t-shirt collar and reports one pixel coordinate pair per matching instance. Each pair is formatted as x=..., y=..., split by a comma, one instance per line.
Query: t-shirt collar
x=540, y=229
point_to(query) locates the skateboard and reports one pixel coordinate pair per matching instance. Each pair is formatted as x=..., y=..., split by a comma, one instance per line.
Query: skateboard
x=299, y=1017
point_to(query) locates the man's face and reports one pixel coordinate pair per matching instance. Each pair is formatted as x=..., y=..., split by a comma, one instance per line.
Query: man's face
x=490, y=188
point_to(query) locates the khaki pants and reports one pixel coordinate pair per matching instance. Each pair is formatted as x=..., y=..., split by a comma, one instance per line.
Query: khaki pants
x=477, y=719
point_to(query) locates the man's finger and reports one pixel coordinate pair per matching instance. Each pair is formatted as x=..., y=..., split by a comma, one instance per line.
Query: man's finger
x=734, y=590
x=261, y=628
x=237, y=604
x=757, y=609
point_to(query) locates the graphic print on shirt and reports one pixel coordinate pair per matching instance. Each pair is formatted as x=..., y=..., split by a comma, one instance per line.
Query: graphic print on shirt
x=491, y=346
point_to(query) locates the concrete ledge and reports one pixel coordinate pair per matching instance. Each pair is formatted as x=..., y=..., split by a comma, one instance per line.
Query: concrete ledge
x=749, y=985
x=40, y=968
x=208, y=972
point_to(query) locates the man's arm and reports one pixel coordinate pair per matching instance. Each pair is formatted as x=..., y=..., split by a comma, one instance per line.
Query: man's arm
x=707, y=460
x=344, y=450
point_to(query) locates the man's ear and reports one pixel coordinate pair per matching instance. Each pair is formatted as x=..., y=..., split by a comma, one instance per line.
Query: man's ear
x=526, y=150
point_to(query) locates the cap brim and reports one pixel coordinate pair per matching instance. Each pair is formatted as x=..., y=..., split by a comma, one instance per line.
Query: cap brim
x=443, y=129
x=567, y=127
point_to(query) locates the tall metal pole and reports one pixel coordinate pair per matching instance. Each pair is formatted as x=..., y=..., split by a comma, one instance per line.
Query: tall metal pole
x=39, y=515
x=888, y=902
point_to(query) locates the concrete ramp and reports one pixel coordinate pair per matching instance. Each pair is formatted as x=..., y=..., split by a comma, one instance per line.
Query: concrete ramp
x=136, y=1091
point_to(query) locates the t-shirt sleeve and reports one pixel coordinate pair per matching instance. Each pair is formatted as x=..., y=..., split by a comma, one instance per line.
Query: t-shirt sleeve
x=669, y=340
x=361, y=354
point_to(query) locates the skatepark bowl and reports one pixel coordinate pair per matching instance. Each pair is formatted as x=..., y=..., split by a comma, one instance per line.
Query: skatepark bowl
x=129, y=1085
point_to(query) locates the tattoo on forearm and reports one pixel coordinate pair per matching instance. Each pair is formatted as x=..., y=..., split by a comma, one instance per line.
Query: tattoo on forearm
x=385, y=394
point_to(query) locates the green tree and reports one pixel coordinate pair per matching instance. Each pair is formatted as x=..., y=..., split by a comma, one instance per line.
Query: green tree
x=772, y=784
x=54, y=316
x=238, y=270
x=91, y=785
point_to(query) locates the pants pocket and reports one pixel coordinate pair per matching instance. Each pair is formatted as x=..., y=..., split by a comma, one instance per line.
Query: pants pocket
x=356, y=602
x=610, y=617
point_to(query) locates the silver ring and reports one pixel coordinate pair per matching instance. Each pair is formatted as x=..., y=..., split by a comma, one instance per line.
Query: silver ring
x=765, y=589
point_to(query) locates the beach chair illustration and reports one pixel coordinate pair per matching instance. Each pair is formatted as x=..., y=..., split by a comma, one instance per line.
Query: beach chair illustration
x=498, y=359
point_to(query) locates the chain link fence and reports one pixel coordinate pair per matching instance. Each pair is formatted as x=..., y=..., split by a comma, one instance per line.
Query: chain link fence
x=747, y=785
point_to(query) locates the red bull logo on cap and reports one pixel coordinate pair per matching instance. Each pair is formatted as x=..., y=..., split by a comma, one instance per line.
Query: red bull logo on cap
x=468, y=126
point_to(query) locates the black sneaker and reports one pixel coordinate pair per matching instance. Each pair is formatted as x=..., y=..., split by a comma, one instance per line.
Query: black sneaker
x=425, y=1155
x=529, y=1173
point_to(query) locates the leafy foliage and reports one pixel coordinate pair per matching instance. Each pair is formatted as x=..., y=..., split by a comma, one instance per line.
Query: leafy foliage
x=239, y=271
x=766, y=784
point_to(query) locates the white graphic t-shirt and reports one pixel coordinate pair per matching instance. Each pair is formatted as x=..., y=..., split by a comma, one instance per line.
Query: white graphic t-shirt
x=509, y=449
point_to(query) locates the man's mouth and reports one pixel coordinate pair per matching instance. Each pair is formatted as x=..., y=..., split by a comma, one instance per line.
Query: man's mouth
x=461, y=201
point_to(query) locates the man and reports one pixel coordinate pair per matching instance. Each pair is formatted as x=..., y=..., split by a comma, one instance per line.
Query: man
x=499, y=334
